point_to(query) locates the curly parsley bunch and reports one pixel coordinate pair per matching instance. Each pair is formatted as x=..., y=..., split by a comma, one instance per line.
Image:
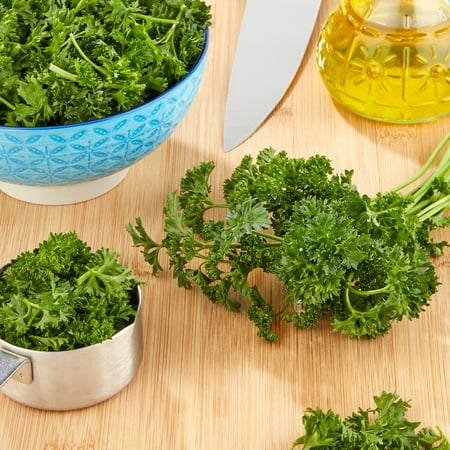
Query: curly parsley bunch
x=363, y=262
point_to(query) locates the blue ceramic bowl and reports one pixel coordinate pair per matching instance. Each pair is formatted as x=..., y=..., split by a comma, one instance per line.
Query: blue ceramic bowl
x=69, y=155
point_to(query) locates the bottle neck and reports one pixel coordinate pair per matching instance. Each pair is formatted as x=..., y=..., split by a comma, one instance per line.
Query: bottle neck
x=406, y=14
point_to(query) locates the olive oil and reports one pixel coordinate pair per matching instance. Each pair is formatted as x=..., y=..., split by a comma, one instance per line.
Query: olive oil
x=388, y=60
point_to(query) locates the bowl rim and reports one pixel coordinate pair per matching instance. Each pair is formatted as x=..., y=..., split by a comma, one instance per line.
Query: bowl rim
x=137, y=108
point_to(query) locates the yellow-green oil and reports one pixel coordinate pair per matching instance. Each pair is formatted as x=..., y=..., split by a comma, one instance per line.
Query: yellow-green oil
x=388, y=60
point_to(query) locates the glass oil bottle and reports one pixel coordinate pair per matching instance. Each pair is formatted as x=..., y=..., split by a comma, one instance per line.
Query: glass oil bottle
x=388, y=60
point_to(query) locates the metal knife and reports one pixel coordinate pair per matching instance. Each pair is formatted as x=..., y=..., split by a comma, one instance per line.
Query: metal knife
x=273, y=39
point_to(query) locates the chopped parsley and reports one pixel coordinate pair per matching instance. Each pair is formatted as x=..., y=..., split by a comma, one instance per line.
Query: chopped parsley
x=69, y=61
x=63, y=296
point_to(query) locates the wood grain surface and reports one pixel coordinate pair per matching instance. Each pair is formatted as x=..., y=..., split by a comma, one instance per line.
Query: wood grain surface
x=207, y=381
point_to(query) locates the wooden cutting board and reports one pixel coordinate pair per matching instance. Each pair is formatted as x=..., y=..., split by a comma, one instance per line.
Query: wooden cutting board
x=206, y=381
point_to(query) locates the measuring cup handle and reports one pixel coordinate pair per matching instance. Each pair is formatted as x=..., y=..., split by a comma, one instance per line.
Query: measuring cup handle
x=14, y=367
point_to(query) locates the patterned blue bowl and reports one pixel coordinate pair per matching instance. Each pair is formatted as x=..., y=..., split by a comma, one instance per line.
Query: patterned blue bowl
x=72, y=163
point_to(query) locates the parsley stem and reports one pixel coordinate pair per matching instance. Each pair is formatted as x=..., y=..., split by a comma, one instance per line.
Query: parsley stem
x=439, y=172
x=154, y=19
x=435, y=208
x=368, y=293
x=212, y=205
x=62, y=73
x=423, y=205
x=83, y=55
x=363, y=293
x=71, y=76
x=353, y=290
x=168, y=38
x=268, y=236
x=347, y=300
x=6, y=103
x=426, y=166
x=415, y=208
x=79, y=6
x=32, y=310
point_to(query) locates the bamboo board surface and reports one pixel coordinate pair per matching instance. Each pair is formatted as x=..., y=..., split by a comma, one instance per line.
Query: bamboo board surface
x=206, y=381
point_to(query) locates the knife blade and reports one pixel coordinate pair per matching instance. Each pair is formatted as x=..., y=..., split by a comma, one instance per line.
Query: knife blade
x=272, y=42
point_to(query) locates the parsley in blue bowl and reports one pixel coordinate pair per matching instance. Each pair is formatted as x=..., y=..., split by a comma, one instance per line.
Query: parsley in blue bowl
x=88, y=88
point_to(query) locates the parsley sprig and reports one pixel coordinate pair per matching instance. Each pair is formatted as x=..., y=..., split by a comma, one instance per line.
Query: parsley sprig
x=362, y=261
x=63, y=296
x=383, y=427
x=68, y=61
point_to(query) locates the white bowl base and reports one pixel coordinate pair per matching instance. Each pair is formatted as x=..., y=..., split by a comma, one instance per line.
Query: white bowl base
x=64, y=194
